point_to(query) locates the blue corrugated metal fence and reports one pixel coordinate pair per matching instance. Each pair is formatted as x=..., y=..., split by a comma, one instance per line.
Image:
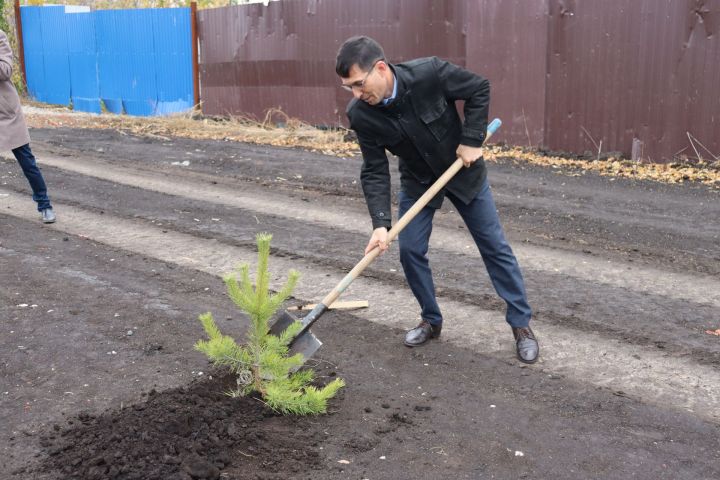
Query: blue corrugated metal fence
x=133, y=61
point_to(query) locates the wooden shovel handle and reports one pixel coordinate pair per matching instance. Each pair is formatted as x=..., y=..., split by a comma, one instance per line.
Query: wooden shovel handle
x=404, y=220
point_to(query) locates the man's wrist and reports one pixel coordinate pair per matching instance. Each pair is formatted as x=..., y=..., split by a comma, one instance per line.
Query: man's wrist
x=377, y=223
x=472, y=137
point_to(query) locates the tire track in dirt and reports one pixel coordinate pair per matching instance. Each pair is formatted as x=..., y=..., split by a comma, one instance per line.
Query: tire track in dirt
x=654, y=377
x=616, y=204
x=696, y=288
x=626, y=219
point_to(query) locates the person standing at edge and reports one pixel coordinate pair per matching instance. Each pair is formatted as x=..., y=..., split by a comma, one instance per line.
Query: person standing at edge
x=409, y=109
x=14, y=133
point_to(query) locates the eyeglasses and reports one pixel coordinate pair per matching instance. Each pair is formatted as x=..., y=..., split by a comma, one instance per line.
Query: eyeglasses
x=358, y=85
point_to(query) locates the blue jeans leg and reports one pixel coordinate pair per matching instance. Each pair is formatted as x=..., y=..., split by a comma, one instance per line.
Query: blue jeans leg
x=29, y=167
x=482, y=220
x=414, y=241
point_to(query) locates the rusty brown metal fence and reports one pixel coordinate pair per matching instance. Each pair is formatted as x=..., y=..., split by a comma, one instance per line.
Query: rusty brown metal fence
x=565, y=74
x=507, y=42
x=253, y=57
x=625, y=69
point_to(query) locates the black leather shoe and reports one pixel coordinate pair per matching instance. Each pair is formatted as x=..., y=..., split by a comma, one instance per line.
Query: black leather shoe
x=422, y=333
x=526, y=344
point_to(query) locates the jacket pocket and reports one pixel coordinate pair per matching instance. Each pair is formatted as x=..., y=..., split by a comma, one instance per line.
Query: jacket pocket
x=435, y=118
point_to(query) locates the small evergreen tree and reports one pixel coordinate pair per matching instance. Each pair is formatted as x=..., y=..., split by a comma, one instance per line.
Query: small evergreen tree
x=263, y=365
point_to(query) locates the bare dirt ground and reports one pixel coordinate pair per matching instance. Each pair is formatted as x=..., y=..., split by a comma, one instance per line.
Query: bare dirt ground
x=99, y=316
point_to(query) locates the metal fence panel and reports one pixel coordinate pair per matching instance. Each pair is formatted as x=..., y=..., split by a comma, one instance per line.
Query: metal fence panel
x=46, y=51
x=253, y=58
x=507, y=43
x=108, y=57
x=134, y=61
x=83, y=62
x=565, y=74
x=173, y=54
x=625, y=69
x=55, y=54
x=135, y=54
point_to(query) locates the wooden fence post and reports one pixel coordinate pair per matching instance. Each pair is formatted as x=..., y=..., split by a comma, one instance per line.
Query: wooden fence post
x=196, y=70
x=21, y=47
x=636, y=152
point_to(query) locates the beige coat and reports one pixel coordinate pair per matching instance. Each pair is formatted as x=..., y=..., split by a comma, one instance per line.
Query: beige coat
x=13, y=132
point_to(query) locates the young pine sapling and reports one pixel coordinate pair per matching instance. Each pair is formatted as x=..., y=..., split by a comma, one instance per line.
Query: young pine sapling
x=263, y=364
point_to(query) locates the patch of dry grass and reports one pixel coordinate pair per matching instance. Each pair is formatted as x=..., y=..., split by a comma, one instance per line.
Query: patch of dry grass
x=295, y=133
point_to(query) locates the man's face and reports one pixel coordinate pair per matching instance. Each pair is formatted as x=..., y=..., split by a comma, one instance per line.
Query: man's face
x=369, y=86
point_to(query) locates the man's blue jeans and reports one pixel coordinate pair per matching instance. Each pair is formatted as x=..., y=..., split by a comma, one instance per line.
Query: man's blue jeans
x=482, y=221
x=29, y=167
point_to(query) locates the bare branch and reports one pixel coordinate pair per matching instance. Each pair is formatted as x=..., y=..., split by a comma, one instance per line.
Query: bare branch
x=703, y=146
x=590, y=137
x=693, y=146
x=527, y=132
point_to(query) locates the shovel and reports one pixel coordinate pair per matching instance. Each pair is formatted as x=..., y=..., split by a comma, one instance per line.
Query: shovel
x=305, y=342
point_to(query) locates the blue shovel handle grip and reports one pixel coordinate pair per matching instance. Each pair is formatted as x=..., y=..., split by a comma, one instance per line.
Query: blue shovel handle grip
x=492, y=128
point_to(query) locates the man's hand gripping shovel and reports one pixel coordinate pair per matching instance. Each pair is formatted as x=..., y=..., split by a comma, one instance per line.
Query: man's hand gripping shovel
x=305, y=342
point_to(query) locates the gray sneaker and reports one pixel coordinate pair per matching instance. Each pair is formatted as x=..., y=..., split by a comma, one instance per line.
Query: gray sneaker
x=48, y=216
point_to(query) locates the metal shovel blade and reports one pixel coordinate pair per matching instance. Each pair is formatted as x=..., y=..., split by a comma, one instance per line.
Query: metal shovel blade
x=282, y=323
x=306, y=342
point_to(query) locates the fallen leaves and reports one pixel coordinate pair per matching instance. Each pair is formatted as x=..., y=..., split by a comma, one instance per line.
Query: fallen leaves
x=713, y=332
x=700, y=172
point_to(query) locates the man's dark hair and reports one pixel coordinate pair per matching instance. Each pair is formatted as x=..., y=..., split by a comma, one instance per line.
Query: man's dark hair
x=363, y=51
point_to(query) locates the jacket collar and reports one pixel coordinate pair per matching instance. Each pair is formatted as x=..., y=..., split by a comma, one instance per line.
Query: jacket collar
x=402, y=89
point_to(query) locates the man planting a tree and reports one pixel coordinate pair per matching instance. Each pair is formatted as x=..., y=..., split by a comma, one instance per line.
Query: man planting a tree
x=409, y=109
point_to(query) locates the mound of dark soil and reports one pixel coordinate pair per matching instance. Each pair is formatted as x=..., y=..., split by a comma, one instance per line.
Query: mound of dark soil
x=194, y=432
